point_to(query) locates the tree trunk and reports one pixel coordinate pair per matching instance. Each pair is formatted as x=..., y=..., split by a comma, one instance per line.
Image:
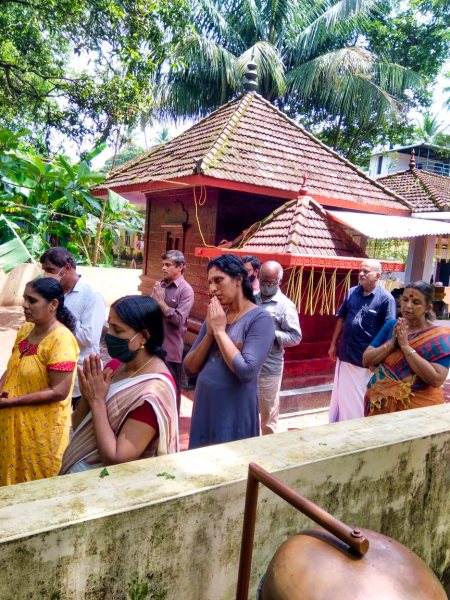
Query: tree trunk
x=98, y=236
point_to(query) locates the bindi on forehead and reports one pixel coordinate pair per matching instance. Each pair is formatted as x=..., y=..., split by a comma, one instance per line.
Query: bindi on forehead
x=413, y=295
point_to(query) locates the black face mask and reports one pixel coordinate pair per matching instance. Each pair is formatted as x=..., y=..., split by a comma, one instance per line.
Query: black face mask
x=118, y=348
x=252, y=278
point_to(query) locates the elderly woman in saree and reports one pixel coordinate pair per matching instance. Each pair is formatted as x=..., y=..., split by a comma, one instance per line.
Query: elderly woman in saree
x=128, y=409
x=410, y=356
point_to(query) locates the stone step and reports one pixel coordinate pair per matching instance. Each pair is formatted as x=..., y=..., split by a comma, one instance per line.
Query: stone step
x=305, y=398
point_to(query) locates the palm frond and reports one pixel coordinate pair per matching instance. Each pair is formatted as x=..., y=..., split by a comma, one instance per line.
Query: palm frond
x=211, y=21
x=351, y=81
x=271, y=77
x=334, y=15
x=205, y=77
x=249, y=20
x=279, y=17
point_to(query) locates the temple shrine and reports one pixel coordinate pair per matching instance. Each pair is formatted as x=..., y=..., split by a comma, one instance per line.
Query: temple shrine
x=249, y=179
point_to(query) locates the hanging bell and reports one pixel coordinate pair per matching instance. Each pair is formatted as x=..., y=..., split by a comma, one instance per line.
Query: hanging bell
x=331, y=562
x=316, y=565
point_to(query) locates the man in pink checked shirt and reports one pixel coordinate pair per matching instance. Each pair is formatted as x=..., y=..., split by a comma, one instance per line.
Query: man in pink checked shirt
x=175, y=297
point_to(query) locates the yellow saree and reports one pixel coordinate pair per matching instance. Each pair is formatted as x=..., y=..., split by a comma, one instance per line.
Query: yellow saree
x=33, y=438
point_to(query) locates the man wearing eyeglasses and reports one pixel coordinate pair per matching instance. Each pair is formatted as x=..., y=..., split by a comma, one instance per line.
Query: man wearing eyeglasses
x=287, y=334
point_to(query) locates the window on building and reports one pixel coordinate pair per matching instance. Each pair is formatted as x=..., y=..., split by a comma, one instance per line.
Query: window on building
x=172, y=242
x=379, y=165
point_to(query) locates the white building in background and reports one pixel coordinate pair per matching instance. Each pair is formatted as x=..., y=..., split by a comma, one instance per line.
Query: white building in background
x=428, y=158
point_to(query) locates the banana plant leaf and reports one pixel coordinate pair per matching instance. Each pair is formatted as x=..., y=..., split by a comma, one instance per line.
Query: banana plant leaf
x=13, y=253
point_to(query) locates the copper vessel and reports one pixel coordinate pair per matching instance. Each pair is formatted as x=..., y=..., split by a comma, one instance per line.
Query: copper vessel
x=332, y=562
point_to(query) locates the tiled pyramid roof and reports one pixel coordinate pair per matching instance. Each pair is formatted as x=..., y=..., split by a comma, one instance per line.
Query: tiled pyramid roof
x=249, y=141
x=300, y=226
x=426, y=192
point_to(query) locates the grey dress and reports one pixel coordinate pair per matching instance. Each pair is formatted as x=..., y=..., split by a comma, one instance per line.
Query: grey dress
x=226, y=403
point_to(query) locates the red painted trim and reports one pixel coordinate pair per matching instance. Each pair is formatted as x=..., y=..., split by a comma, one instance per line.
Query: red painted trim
x=299, y=260
x=194, y=180
x=369, y=208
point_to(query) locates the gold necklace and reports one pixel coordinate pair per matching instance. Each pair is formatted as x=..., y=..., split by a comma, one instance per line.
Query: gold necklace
x=236, y=317
x=137, y=370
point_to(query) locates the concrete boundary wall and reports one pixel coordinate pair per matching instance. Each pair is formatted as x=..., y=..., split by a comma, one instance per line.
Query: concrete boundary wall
x=172, y=525
x=112, y=283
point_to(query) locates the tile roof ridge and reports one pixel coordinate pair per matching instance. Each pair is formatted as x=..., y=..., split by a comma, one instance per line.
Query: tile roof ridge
x=245, y=235
x=145, y=155
x=301, y=205
x=336, y=154
x=429, y=187
x=396, y=174
x=434, y=175
x=415, y=174
x=215, y=151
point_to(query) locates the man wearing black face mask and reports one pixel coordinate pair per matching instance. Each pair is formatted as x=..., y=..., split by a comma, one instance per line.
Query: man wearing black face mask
x=287, y=333
x=252, y=266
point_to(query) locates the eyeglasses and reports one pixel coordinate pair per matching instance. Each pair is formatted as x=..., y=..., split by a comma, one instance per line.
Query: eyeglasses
x=270, y=283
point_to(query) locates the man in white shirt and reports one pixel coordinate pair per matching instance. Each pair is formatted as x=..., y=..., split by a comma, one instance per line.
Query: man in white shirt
x=84, y=302
x=287, y=333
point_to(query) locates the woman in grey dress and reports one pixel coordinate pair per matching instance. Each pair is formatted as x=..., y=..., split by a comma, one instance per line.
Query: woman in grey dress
x=232, y=345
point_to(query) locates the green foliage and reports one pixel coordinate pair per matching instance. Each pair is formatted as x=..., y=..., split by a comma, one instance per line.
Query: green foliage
x=141, y=589
x=166, y=475
x=348, y=70
x=127, y=152
x=430, y=130
x=388, y=249
x=82, y=67
x=48, y=202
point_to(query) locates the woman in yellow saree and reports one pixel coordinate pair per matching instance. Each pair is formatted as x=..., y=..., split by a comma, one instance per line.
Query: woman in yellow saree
x=35, y=398
x=410, y=357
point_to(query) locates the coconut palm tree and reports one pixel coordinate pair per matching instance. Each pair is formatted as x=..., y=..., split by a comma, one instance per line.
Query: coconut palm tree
x=430, y=130
x=297, y=47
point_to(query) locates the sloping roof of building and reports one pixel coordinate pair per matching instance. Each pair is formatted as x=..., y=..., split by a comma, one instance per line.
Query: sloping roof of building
x=300, y=226
x=426, y=192
x=299, y=234
x=249, y=141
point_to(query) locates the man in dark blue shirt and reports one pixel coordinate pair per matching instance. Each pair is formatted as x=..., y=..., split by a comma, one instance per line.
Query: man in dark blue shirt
x=363, y=313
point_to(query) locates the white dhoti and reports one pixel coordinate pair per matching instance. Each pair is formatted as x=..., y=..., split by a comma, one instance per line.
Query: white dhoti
x=269, y=402
x=349, y=389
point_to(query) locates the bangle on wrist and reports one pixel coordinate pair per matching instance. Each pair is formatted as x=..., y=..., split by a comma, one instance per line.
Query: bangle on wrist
x=411, y=351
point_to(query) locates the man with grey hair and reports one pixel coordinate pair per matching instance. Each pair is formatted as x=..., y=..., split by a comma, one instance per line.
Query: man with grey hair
x=287, y=333
x=175, y=297
x=363, y=313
